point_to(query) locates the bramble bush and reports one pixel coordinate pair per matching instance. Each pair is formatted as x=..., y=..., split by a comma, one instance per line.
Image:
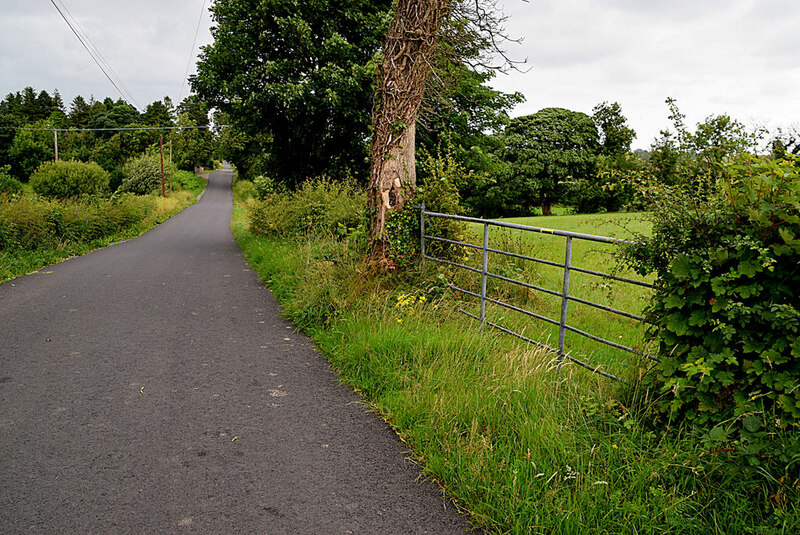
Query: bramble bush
x=319, y=206
x=69, y=178
x=142, y=175
x=726, y=310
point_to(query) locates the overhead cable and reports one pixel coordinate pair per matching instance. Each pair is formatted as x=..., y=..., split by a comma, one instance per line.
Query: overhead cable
x=119, y=129
x=128, y=97
x=99, y=54
x=191, y=52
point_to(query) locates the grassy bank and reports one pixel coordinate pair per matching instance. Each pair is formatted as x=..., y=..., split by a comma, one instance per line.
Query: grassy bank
x=35, y=232
x=521, y=446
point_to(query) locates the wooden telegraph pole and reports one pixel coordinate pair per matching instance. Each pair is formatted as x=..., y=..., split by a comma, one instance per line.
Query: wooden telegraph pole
x=161, y=145
x=55, y=142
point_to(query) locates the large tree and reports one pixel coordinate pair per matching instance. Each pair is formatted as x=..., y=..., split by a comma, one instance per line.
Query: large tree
x=547, y=149
x=402, y=76
x=615, y=134
x=300, y=72
x=439, y=53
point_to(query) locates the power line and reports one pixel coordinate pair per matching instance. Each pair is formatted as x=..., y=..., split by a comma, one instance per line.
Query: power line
x=89, y=50
x=119, y=129
x=98, y=53
x=191, y=52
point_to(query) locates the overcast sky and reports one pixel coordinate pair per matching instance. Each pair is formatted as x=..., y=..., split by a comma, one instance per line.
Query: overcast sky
x=740, y=57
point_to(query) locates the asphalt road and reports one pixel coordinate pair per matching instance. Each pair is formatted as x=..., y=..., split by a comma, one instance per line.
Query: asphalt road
x=151, y=387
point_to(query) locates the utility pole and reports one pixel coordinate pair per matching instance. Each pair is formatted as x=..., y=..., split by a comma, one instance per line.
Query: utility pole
x=161, y=145
x=55, y=142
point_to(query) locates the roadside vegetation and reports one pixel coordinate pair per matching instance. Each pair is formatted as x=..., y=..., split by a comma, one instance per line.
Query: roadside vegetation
x=36, y=230
x=99, y=184
x=521, y=445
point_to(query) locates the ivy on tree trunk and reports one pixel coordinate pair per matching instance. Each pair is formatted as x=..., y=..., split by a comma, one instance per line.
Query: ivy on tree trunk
x=402, y=76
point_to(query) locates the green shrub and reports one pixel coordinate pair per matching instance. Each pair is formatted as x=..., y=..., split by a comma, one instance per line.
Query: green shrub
x=726, y=309
x=142, y=175
x=319, y=206
x=244, y=189
x=31, y=223
x=264, y=186
x=189, y=181
x=64, y=179
x=9, y=184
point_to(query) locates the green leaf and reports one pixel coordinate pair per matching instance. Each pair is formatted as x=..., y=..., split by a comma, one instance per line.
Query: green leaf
x=673, y=301
x=680, y=267
x=752, y=423
x=717, y=434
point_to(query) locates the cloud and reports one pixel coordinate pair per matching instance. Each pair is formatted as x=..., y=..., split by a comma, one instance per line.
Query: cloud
x=146, y=42
x=715, y=56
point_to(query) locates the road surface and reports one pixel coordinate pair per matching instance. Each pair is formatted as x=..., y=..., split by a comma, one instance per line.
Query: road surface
x=151, y=387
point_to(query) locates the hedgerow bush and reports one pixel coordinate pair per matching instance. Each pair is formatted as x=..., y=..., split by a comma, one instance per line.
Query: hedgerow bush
x=64, y=179
x=9, y=184
x=319, y=206
x=30, y=223
x=726, y=310
x=189, y=181
x=142, y=175
x=264, y=186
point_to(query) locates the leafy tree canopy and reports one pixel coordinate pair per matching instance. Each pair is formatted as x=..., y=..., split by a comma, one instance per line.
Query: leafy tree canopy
x=301, y=72
x=681, y=155
x=159, y=113
x=545, y=150
x=117, y=116
x=615, y=134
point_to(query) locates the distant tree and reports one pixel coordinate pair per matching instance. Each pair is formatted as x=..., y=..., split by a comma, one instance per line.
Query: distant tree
x=79, y=112
x=244, y=151
x=680, y=155
x=159, y=113
x=615, y=134
x=118, y=115
x=36, y=107
x=665, y=156
x=8, y=131
x=613, y=186
x=31, y=147
x=192, y=147
x=546, y=150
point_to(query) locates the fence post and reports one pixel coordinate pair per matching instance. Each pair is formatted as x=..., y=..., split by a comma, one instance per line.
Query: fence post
x=422, y=233
x=484, y=271
x=564, y=300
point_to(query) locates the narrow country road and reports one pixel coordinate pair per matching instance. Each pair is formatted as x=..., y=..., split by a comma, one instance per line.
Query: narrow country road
x=151, y=387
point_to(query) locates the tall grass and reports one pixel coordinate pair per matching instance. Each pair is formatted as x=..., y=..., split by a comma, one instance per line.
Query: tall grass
x=521, y=445
x=36, y=232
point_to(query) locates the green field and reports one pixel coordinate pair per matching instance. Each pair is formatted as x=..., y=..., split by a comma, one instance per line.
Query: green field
x=585, y=254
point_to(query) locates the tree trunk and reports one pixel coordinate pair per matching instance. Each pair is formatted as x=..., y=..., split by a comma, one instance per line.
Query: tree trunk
x=402, y=76
x=547, y=208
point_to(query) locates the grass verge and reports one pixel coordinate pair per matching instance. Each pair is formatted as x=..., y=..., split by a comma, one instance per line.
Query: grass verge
x=35, y=233
x=520, y=445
